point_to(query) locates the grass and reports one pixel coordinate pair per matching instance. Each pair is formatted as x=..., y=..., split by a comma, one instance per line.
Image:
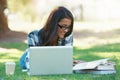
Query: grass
x=13, y=51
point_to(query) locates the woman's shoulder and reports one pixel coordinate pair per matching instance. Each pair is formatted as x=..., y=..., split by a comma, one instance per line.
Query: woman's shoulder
x=33, y=38
x=69, y=40
x=69, y=37
x=33, y=32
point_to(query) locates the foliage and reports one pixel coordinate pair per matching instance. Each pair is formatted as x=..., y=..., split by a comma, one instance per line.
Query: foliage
x=21, y=8
x=17, y=5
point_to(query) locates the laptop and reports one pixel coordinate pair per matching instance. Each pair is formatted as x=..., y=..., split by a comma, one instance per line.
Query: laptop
x=51, y=60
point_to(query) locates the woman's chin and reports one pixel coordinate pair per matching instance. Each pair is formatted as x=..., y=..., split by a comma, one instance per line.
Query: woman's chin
x=61, y=37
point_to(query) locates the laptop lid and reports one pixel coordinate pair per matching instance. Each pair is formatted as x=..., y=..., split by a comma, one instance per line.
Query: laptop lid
x=47, y=60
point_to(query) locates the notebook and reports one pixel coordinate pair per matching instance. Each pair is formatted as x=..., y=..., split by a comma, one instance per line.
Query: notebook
x=51, y=60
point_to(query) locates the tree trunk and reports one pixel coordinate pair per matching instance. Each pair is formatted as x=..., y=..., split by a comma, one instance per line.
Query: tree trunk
x=3, y=18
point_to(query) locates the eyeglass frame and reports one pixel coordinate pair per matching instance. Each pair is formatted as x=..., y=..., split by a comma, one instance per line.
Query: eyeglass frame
x=63, y=27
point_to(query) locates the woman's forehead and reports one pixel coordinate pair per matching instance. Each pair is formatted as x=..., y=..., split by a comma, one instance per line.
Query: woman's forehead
x=65, y=21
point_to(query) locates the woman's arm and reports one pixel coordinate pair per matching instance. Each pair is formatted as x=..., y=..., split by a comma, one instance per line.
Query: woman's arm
x=69, y=40
x=33, y=38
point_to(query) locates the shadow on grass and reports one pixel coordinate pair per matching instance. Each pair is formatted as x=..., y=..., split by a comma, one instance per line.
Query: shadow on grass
x=88, y=54
x=90, y=33
x=13, y=36
x=85, y=54
x=13, y=40
x=2, y=70
x=14, y=45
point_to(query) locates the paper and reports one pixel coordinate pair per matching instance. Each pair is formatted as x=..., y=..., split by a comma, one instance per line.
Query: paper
x=102, y=66
x=89, y=65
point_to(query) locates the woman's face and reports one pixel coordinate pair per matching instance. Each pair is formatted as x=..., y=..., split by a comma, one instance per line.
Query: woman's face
x=63, y=27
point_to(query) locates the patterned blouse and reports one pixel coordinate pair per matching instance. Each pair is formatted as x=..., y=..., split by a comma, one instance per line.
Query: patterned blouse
x=33, y=41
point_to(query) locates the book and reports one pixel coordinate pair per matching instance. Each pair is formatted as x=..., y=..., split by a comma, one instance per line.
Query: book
x=102, y=66
x=89, y=65
x=95, y=71
x=107, y=66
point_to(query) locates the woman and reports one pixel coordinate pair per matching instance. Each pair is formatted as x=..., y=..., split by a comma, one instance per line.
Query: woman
x=57, y=31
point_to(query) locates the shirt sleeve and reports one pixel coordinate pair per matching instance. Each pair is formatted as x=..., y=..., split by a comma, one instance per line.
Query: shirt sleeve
x=33, y=38
x=69, y=40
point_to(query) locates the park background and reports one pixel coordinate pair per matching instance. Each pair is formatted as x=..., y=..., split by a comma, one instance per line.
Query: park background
x=96, y=31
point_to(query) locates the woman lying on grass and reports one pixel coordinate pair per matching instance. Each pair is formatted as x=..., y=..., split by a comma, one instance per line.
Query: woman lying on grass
x=57, y=31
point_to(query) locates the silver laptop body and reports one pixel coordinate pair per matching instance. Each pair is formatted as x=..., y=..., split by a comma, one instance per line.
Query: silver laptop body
x=49, y=60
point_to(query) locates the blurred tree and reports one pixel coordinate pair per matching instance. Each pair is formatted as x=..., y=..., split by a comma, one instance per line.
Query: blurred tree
x=3, y=18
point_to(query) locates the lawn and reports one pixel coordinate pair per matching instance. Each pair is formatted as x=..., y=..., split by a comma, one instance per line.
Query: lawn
x=13, y=51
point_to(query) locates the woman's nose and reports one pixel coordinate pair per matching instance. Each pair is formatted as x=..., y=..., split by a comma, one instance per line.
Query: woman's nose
x=66, y=30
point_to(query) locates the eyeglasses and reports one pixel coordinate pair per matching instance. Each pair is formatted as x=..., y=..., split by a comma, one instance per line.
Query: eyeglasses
x=64, y=27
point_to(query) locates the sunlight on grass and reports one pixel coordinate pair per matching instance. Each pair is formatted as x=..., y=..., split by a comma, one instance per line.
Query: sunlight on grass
x=108, y=54
x=98, y=55
x=98, y=52
x=11, y=51
x=93, y=41
x=10, y=55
